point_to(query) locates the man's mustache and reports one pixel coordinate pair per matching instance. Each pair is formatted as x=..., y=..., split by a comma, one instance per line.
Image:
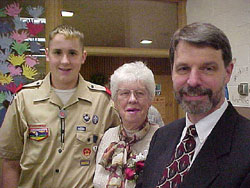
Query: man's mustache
x=195, y=91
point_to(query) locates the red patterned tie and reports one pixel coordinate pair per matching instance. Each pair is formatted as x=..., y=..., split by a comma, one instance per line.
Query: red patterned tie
x=179, y=164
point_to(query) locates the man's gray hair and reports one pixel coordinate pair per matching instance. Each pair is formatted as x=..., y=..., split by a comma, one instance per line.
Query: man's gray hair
x=203, y=35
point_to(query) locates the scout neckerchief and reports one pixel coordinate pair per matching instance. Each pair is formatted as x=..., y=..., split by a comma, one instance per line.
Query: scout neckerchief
x=116, y=155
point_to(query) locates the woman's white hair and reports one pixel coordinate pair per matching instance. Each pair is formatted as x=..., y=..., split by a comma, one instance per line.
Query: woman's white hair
x=134, y=71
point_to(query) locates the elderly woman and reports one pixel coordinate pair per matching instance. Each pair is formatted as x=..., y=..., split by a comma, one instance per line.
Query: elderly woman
x=123, y=149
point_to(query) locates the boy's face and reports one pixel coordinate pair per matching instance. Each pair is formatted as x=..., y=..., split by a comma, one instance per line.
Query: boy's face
x=65, y=57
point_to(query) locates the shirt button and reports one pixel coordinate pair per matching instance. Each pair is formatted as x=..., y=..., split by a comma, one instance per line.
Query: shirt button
x=60, y=151
x=57, y=170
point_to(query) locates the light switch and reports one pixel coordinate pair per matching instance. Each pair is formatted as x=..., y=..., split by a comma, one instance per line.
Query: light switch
x=243, y=89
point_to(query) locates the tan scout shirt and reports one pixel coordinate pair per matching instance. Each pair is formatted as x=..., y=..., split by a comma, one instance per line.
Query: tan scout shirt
x=32, y=133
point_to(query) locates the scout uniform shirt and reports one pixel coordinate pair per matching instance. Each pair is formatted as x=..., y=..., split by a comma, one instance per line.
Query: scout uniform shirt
x=56, y=144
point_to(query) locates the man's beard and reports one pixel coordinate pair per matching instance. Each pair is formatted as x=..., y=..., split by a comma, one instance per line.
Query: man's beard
x=198, y=107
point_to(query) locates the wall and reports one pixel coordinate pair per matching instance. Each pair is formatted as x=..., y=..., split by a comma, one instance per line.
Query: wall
x=233, y=17
x=106, y=65
x=165, y=102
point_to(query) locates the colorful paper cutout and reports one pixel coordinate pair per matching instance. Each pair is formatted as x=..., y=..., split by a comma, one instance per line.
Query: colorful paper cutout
x=4, y=67
x=19, y=24
x=13, y=9
x=5, y=96
x=5, y=41
x=2, y=12
x=34, y=29
x=20, y=80
x=19, y=37
x=29, y=72
x=31, y=61
x=4, y=55
x=16, y=67
x=16, y=60
x=8, y=96
x=3, y=88
x=35, y=12
x=14, y=70
x=20, y=47
x=5, y=79
x=5, y=27
x=35, y=47
x=11, y=87
x=2, y=97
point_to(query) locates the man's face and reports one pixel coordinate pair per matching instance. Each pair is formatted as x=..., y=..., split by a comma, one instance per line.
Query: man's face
x=65, y=58
x=199, y=77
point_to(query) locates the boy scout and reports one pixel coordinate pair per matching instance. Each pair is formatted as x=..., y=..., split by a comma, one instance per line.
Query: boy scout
x=52, y=128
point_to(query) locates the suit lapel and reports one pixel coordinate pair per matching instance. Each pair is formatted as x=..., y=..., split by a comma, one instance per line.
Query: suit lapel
x=205, y=168
x=173, y=138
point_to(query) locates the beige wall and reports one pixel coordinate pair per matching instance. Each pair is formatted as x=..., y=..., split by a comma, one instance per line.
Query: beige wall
x=233, y=17
x=244, y=111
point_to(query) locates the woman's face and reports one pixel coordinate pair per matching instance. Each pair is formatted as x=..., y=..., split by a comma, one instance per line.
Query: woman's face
x=132, y=102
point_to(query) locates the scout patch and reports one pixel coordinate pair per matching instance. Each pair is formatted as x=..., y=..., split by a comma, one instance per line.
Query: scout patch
x=41, y=126
x=38, y=134
x=84, y=162
x=95, y=119
x=81, y=128
x=86, y=117
x=86, y=152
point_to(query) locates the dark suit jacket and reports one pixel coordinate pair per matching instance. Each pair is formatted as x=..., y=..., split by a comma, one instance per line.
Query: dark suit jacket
x=223, y=161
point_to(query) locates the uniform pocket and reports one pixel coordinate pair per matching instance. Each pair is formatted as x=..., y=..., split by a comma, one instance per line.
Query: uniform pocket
x=86, y=145
x=37, y=145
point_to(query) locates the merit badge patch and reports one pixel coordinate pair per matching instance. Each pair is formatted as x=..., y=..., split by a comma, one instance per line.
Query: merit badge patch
x=81, y=128
x=86, y=152
x=38, y=134
x=86, y=117
x=84, y=162
x=95, y=119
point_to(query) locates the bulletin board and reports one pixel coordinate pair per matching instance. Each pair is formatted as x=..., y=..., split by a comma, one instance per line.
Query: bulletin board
x=19, y=49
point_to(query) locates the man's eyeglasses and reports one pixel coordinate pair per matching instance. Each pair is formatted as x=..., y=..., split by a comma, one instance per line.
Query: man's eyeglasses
x=126, y=93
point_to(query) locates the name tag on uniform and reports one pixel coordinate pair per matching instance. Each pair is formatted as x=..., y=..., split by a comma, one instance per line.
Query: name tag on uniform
x=84, y=162
x=81, y=128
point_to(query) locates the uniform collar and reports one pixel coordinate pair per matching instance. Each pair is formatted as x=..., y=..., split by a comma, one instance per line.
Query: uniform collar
x=46, y=92
x=82, y=90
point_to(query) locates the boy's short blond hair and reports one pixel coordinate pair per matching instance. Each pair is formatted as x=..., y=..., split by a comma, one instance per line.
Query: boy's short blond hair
x=68, y=31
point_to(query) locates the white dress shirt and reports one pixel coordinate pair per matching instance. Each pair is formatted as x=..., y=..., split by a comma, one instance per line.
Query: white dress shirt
x=204, y=127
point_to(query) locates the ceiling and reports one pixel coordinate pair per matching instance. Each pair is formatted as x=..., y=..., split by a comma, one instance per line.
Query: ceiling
x=123, y=23
x=117, y=23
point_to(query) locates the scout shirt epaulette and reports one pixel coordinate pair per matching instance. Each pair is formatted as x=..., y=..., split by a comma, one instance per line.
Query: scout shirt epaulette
x=33, y=84
x=98, y=87
x=30, y=85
